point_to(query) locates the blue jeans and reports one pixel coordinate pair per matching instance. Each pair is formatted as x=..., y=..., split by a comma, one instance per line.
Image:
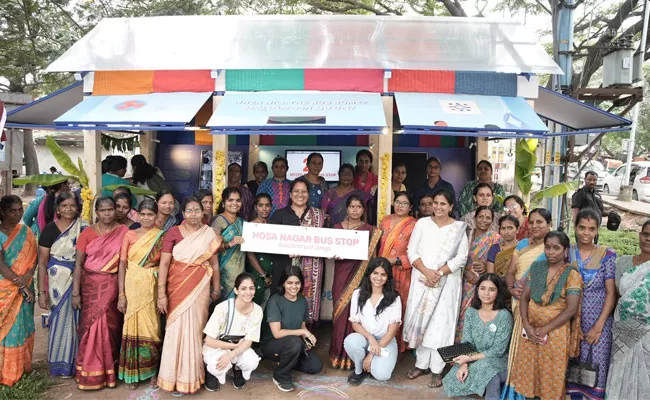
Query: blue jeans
x=381, y=368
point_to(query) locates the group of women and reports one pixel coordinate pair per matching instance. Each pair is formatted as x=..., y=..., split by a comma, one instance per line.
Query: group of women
x=140, y=297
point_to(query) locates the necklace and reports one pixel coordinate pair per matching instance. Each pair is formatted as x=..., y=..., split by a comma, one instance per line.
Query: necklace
x=101, y=232
x=347, y=222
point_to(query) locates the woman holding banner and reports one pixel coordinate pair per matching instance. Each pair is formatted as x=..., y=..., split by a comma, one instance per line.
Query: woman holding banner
x=298, y=213
x=347, y=278
x=230, y=227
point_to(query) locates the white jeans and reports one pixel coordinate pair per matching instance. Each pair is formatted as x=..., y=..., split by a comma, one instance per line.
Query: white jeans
x=381, y=368
x=247, y=362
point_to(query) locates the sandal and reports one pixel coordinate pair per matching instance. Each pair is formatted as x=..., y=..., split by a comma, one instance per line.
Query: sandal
x=416, y=372
x=132, y=386
x=436, y=381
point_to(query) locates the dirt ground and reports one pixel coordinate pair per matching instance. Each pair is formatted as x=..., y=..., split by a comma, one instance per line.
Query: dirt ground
x=329, y=384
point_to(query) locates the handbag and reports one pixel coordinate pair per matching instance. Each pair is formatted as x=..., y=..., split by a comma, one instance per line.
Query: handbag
x=227, y=337
x=448, y=353
x=583, y=373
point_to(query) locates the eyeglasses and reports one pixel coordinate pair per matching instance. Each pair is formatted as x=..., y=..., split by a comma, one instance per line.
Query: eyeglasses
x=401, y=203
x=194, y=211
x=512, y=207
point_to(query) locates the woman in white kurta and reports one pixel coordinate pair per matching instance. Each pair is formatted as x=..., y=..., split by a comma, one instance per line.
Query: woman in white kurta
x=438, y=251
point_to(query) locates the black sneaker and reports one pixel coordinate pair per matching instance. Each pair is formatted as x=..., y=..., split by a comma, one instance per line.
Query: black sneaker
x=285, y=387
x=238, y=379
x=355, y=380
x=211, y=382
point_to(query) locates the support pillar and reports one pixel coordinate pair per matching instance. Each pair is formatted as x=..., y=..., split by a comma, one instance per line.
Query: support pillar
x=93, y=157
x=482, y=150
x=253, y=155
x=148, y=146
x=219, y=160
x=384, y=149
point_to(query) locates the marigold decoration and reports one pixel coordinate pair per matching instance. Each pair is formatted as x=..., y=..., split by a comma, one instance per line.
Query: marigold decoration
x=384, y=184
x=219, y=174
x=87, y=198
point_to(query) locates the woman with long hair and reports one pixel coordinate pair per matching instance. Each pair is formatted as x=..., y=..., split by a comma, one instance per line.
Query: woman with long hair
x=550, y=314
x=147, y=176
x=166, y=202
x=483, y=197
x=17, y=267
x=597, y=266
x=261, y=264
x=42, y=210
x=188, y=264
x=207, y=201
x=500, y=254
x=347, y=276
x=438, y=252
x=488, y=326
x=298, y=213
x=630, y=362
x=230, y=332
x=515, y=206
x=227, y=224
x=122, y=209
x=397, y=229
x=526, y=253
x=138, y=271
x=335, y=200
x=278, y=186
x=483, y=175
x=364, y=179
x=290, y=344
x=481, y=239
x=131, y=213
x=245, y=195
x=56, y=265
x=375, y=314
x=317, y=184
x=95, y=292
x=397, y=179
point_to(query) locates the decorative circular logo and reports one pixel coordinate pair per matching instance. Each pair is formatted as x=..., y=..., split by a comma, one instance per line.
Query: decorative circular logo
x=493, y=328
x=130, y=105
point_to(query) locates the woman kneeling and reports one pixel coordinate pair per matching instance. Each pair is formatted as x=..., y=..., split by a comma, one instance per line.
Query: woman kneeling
x=230, y=332
x=376, y=314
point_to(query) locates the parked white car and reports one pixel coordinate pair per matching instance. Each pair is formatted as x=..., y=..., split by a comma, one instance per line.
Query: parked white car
x=639, y=178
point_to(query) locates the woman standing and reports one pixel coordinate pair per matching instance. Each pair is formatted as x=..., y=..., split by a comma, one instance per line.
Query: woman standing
x=278, y=186
x=240, y=319
x=483, y=175
x=245, y=195
x=425, y=206
x=549, y=301
x=488, y=326
x=56, y=264
x=347, y=277
x=17, y=266
x=438, y=251
x=630, y=363
x=147, y=176
x=298, y=213
x=131, y=213
x=122, y=209
x=375, y=314
x=515, y=206
x=260, y=264
x=230, y=226
x=526, y=253
x=207, y=202
x=166, y=202
x=260, y=172
x=364, y=179
x=597, y=266
x=334, y=201
x=42, y=210
x=397, y=229
x=483, y=197
x=500, y=254
x=187, y=265
x=317, y=184
x=398, y=178
x=95, y=291
x=481, y=239
x=138, y=270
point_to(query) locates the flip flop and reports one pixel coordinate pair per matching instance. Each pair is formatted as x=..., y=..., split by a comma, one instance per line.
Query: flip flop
x=416, y=372
x=436, y=381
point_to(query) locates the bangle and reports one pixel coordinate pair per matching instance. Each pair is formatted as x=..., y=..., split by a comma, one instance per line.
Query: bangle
x=122, y=295
x=163, y=285
x=42, y=292
x=76, y=295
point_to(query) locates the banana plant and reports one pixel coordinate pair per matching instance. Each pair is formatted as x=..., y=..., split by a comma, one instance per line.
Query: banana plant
x=556, y=190
x=525, y=162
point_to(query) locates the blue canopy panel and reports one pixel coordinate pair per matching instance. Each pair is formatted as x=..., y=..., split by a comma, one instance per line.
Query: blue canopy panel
x=578, y=117
x=299, y=113
x=153, y=111
x=468, y=115
x=41, y=113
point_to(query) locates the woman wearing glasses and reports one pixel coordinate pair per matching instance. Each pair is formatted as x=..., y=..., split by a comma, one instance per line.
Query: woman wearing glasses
x=515, y=206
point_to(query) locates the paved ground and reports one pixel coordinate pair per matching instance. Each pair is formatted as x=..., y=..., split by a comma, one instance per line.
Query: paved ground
x=330, y=384
x=636, y=207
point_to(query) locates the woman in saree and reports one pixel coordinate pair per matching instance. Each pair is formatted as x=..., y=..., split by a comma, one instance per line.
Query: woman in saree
x=188, y=264
x=629, y=370
x=17, y=266
x=483, y=197
x=56, y=263
x=515, y=206
x=550, y=314
x=347, y=277
x=335, y=199
x=165, y=219
x=122, y=209
x=500, y=254
x=260, y=265
x=317, y=184
x=138, y=269
x=207, y=201
x=481, y=239
x=42, y=210
x=483, y=175
x=397, y=229
x=95, y=290
x=227, y=224
x=364, y=179
x=597, y=266
x=245, y=195
x=526, y=253
x=298, y=213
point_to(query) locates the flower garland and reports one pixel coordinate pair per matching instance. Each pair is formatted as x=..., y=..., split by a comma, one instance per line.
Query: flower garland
x=87, y=198
x=219, y=170
x=384, y=184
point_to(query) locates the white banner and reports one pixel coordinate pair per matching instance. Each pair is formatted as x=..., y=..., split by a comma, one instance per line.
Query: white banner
x=298, y=240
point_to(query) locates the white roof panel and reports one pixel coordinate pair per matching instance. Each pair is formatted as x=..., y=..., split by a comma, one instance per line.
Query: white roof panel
x=306, y=41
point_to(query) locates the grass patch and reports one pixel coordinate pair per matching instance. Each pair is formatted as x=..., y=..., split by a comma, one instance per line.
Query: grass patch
x=30, y=387
x=623, y=242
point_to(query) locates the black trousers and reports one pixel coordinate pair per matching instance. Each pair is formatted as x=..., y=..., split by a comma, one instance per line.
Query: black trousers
x=290, y=352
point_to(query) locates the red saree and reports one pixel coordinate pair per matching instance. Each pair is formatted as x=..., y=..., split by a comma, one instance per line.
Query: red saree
x=100, y=328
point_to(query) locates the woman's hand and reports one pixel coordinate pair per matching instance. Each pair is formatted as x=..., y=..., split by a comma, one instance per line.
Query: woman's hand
x=373, y=347
x=367, y=362
x=162, y=304
x=268, y=280
x=235, y=241
x=462, y=373
x=22, y=280
x=44, y=302
x=121, y=304
x=542, y=334
x=516, y=292
x=29, y=295
x=593, y=336
x=462, y=360
x=471, y=276
x=215, y=294
x=433, y=277
x=76, y=302
x=224, y=361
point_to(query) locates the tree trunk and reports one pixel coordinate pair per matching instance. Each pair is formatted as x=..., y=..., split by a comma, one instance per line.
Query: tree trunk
x=31, y=160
